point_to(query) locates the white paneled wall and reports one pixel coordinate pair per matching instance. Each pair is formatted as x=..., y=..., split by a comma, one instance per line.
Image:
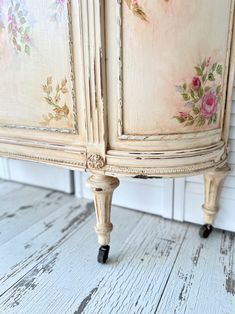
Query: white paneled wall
x=37, y=174
x=189, y=192
x=152, y=196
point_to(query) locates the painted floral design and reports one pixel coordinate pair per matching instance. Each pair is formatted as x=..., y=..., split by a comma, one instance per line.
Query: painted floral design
x=202, y=95
x=18, y=26
x=2, y=26
x=56, y=99
x=57, y=9
x=136, y=9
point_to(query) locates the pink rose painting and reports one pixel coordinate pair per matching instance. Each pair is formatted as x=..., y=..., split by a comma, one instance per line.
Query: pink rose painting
x=202, y=95
x=14, y=17
x=209, y=104
x=196, y=83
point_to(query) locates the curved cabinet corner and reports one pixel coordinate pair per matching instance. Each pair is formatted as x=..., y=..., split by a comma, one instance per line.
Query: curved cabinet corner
x=168, y=94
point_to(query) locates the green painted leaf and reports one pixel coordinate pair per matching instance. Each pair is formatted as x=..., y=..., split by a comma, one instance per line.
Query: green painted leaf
x=199, y=71
x=189, y=123
x=196, y=110
x=214, y=66
x=17, y=6
x=27, y=49
x=190, y=117
x=219, y=69
x=210, y=120
x=192, y=93
x=204, y=77
x=22, y=20
x=179, y=119
x=186, y=96
x=211, y=77
x=204, y=64
x=218, y=89
x=201, y=120
x=27, y=29
x=200, y=92
x=10, y=28
x=20, y=14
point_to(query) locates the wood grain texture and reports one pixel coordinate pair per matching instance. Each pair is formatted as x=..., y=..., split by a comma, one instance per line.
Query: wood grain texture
x=25, y=207
x=63, y=269
x=34, y=243
x=202, y=280
x=155, y=266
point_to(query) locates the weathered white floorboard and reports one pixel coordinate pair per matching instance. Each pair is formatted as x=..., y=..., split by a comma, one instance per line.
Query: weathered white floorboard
x=203, y=277
x=69, y=273
x=25, y=207
x=9, y=187
x=151, y=251
x=48, y=260
x=26, y=250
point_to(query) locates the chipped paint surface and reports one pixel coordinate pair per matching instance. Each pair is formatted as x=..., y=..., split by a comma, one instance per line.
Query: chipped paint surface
x=155, y=265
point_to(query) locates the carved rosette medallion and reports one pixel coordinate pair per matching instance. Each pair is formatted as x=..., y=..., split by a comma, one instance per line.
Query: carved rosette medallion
x=95, y=161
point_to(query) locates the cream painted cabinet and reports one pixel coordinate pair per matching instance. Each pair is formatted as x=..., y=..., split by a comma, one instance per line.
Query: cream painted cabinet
x=119, y=88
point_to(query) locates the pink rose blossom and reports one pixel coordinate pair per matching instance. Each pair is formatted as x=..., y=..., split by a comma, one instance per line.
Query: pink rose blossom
x=183, y=115
x=209, y=104
x=196, y=83
x=135, y=2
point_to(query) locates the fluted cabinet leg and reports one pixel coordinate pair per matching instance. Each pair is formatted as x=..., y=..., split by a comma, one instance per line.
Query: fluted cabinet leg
x=102, y=188
x=212, y=182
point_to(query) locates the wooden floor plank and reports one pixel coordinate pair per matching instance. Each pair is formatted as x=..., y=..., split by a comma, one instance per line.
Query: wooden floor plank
x=25, y=207
x=63, y=280
x=136, y=284
x=48, y=251
x=203, y=277
x=26, y=250
x=7, y=187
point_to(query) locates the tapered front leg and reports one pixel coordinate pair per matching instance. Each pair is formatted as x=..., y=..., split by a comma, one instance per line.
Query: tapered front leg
x=102, y=188
x=212, y=182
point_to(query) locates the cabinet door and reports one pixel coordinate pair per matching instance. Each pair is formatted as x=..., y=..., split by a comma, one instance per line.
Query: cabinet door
x=167, y=64
x=41, y=85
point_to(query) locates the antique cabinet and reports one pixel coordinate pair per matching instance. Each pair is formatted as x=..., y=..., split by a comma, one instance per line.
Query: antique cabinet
x=138, y=88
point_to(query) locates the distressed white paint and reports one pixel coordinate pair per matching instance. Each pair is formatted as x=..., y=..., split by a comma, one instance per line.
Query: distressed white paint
x=155, y=266
x=202, y=280
x=112, y=133
x=24, y=207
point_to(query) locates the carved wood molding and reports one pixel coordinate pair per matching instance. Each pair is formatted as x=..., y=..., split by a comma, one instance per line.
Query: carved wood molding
x=94, y=72
x=164, y=171
x=42, y=159
x=95, y=161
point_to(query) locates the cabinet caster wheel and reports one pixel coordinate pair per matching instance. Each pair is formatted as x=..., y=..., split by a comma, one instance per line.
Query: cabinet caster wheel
x=205, y=231
x=103, y=254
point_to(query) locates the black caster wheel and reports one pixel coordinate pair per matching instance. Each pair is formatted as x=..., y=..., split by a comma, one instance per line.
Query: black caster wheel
x=103, y=254
x=205, y=231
